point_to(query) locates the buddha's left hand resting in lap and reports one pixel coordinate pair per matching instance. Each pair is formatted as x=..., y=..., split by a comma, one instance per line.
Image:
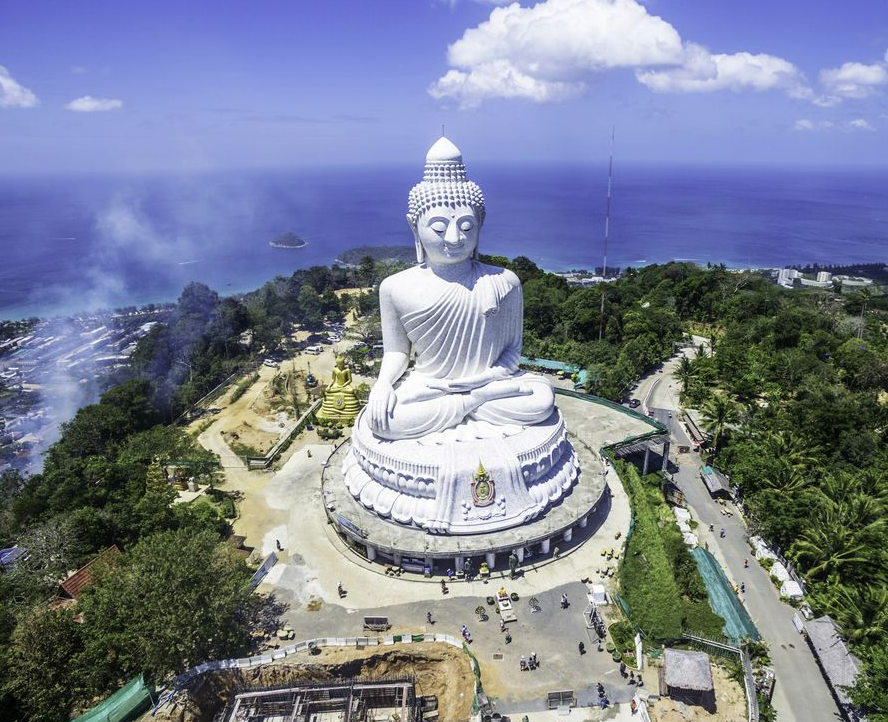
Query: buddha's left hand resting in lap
x=461, y=318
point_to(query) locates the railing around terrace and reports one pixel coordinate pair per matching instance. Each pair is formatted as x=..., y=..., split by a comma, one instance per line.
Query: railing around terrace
x=247, y=368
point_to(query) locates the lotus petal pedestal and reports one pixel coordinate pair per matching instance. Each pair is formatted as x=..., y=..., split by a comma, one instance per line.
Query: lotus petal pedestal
x=434, y=483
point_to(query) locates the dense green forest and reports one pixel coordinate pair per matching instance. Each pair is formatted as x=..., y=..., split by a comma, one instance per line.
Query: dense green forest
x=793, y=392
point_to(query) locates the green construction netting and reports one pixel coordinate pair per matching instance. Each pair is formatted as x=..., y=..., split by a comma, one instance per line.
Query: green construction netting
x=722, y=599
x=124, y=705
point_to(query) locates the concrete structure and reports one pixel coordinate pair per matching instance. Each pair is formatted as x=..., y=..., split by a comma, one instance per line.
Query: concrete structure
x=593, y=423
x=824, y=277
x=416, y=449
x=343, y=701
x=785, y=277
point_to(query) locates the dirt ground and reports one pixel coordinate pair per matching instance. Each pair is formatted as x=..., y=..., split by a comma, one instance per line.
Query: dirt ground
x=437, y=669
x=730, y=704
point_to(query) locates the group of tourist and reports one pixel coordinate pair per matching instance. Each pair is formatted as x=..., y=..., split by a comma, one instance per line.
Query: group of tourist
x=530, y=663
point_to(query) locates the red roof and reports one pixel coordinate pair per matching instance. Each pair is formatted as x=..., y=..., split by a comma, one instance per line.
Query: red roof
x=79, y=580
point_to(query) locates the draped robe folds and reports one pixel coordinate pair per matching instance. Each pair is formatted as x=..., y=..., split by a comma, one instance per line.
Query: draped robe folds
x=473, y=327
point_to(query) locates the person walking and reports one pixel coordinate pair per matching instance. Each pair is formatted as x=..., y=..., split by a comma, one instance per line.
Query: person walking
x=582, y=648
x=429, y=618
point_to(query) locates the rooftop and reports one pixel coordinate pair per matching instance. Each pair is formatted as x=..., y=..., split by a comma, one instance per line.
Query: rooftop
x=74, y=585
x=687, y=670
x=839, y=665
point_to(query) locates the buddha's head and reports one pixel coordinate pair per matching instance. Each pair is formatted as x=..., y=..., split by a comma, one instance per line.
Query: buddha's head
x=446, y=210
x=340, y=362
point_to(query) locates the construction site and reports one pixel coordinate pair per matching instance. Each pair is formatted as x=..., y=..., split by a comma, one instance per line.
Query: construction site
x=339, y=701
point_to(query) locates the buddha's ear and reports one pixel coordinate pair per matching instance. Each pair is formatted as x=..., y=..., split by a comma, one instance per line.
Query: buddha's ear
x=420, y=251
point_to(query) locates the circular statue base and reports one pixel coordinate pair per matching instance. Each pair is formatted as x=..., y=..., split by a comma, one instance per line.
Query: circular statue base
x=476, y=477
x=573, y=518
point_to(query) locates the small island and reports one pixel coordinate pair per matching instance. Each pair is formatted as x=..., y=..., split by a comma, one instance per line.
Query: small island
x=287, y=240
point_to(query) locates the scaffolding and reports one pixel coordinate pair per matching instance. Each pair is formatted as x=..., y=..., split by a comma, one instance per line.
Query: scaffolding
x=388, y=700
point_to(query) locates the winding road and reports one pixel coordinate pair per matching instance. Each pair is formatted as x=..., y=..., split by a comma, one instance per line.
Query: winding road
x=801, y=693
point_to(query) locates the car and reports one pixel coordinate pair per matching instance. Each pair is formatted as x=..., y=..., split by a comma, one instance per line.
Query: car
x=634, y=403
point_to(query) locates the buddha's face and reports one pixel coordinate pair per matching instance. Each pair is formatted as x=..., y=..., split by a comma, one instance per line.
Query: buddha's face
x=448, y=235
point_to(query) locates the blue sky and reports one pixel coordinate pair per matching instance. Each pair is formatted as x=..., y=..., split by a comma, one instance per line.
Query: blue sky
x=180, y=86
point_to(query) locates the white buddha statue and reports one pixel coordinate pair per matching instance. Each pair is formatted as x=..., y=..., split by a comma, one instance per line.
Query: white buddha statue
x=417, y=446
x=461, y=318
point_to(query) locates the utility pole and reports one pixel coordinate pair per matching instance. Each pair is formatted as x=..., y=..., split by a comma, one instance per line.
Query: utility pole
x=610, y=173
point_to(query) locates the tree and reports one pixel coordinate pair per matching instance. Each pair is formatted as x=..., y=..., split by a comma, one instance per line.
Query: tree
x=685, y=373
x=870, y=692
x=156, y=478
x=311, y=312
x=718, y=414
x=862, y=614
x=41, y=669
x=176, y=599
x=367, y=270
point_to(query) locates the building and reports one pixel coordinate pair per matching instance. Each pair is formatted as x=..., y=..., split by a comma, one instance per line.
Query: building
x=716, y=483
x=838, y=664
x=687, y=677
x=74, y=585
x=786, y=276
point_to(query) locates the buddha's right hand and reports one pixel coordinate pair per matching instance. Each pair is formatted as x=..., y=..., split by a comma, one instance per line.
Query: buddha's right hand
x=381, y=404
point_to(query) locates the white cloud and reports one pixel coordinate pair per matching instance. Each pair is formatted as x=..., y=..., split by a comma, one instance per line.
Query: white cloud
x=854, y=80
x=78, y=70
x=859, y=124
x=500, y=79
x=13, y=95
x=805, y=125
x=705, y=73
x=88, y=104
x=552, y=50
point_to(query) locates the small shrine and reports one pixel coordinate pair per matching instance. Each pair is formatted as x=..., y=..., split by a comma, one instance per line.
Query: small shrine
x=340, y=399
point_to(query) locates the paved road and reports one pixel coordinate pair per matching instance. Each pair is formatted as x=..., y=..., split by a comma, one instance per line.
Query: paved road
x=801, y=692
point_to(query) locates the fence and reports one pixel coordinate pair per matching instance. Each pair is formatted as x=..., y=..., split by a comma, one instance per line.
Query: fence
x=249, y=368
x=260, y=573
x=752, y=708
x=263, y=462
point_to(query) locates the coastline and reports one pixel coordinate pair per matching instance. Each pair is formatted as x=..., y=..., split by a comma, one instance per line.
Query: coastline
x=140, y=301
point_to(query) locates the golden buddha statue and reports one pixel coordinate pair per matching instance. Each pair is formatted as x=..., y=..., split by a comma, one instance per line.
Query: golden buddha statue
x=340, y=399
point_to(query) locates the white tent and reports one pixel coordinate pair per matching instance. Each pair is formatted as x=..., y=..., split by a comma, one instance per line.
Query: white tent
x=681, y=514
x=791, y=589
x=598, y=595
x=779, y=571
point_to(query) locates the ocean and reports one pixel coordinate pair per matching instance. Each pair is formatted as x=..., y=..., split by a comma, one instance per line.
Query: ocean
x=70, y=244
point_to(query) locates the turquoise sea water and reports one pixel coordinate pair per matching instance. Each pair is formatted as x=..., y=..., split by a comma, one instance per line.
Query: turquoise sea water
x=69, y=244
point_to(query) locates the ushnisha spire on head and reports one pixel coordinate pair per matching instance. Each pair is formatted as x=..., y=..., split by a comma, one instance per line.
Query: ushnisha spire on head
x=444, y=183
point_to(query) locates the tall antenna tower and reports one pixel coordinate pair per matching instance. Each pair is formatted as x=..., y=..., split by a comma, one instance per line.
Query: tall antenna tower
x=610, y=175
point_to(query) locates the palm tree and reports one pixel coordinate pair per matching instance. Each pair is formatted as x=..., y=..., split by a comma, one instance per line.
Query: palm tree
x=718, y=414
x=787, y=478
x=863, y=295
x=791, y=448
x=862, y=613
x=839, y=545
x=685, y=374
